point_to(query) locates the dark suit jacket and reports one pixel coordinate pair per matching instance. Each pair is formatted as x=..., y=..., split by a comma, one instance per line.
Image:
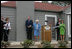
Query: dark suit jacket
x=28, y=23
x=58, y=29
x=2, y=23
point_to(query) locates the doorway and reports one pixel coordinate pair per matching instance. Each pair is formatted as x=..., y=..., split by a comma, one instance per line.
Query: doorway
x=52, y=19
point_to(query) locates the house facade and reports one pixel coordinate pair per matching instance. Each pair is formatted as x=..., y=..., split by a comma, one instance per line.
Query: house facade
x=18, y=11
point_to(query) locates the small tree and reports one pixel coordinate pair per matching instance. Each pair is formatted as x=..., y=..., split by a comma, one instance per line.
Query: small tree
x=27, y=43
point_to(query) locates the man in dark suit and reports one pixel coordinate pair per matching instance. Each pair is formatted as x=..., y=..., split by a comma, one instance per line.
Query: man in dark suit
x=29, y=28
x=2, y=26
x=58, y=29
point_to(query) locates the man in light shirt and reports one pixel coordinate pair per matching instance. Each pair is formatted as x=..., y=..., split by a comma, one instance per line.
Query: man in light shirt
x=7, y=28
x=47, y=27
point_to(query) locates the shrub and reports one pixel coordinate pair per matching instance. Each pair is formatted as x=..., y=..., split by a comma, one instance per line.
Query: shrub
x=62, y=43
x=26, y=43
x=4, y=44
x=46, y=44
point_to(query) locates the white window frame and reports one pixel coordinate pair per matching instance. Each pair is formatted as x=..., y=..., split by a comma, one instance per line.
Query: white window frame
x=51, y=16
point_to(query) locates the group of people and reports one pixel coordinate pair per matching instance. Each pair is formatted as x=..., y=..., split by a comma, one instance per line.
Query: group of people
x=5, y=28
x=60, y=30
x=33, y=28
x=36, y=28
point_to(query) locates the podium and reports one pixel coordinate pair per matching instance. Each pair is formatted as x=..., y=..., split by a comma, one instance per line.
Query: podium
x=46, y=34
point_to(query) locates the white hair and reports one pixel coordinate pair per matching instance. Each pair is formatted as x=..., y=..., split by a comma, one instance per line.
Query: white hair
x=37, y=20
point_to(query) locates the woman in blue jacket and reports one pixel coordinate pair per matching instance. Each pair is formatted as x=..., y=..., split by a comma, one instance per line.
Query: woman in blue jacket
x=37, y=28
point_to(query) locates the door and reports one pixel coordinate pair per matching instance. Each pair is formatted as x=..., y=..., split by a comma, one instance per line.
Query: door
x=52, y=19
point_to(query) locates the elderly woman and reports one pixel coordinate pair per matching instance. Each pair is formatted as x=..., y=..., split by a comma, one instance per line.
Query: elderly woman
x=37, y=28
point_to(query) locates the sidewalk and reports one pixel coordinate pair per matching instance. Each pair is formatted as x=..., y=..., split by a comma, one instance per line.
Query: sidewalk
x=14, y=44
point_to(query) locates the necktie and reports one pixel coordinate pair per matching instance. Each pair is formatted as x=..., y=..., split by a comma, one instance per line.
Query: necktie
x=7, y=26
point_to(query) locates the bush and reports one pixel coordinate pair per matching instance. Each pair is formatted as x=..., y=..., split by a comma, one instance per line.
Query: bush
x=26, y=43
x=4, y=44
x=46, y=44
x=66, y=42
x=62, y=43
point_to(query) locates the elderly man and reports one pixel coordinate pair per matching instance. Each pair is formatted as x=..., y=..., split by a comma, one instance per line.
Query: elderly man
x=29, y=26
x=37, y=28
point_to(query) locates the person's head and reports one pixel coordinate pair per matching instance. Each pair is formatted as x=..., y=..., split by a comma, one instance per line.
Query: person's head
x=2, y=18
x=62, y=21
x=28, y=17
x=7, y=19
x=47, y=22
x=37, y=21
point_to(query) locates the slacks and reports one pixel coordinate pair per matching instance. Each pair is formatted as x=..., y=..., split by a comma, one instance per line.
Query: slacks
x=2, y=31
x=58, y=35
x=6, y=33
x=29, y=34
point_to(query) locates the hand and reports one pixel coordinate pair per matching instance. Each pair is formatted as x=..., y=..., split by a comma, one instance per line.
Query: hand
x=30, y=25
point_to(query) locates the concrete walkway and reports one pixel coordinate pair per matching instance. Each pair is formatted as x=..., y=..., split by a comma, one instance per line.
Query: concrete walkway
x=14, y=44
